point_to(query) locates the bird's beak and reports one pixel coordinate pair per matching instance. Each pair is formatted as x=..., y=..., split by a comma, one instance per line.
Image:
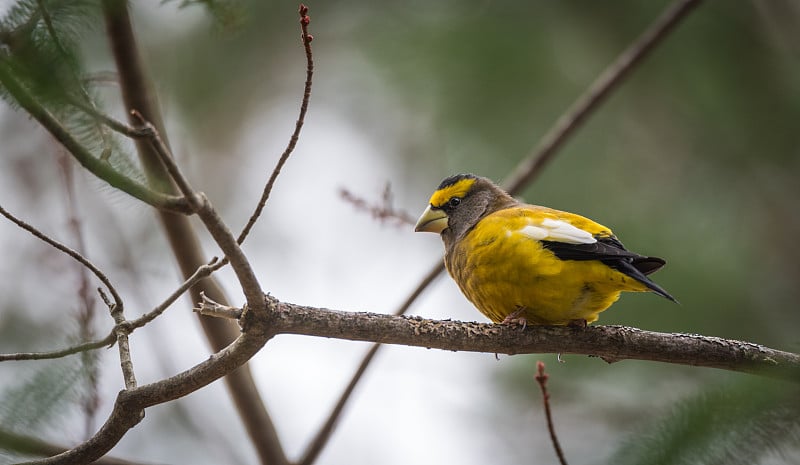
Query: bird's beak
x=434, y=221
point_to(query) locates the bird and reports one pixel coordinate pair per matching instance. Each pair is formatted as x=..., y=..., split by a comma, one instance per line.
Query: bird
x=529, y=264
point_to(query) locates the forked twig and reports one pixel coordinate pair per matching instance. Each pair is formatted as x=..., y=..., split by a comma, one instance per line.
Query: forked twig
x=115, y=307
x=541, y=379
x=532, y=165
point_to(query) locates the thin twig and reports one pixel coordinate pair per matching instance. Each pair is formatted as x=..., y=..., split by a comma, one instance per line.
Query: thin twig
x=116, y=307
x=108, y=341
x=382, y=212
x=532, y=165
x=541, y=378
x=63, y=248
x=201, y=273
x=306, y=39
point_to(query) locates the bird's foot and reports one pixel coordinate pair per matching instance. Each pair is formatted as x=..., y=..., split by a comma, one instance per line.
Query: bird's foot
x=516, y=318
x=579, y=323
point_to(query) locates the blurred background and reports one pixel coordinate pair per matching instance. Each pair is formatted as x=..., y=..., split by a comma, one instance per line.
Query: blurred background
x=696, y=158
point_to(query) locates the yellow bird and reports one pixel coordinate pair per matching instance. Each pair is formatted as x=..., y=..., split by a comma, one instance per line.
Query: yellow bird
x=526, y=264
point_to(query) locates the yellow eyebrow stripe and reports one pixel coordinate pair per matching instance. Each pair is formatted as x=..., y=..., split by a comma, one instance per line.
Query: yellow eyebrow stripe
x=459, y=189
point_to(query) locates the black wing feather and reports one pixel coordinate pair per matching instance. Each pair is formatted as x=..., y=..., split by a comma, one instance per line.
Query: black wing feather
x=610, y=251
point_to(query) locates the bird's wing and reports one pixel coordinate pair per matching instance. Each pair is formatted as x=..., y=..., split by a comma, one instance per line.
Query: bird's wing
x=546, y=224
x=574, y=237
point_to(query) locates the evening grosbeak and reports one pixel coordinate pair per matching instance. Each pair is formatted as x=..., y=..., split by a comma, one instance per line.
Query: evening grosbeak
x=529, y=264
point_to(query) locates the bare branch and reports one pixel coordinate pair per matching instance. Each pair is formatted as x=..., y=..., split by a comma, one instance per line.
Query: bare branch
x=541, y=379
x=306, y=39
x=611, y=343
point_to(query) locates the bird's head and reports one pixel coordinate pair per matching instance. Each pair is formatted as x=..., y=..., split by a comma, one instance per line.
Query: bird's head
x=459, y=203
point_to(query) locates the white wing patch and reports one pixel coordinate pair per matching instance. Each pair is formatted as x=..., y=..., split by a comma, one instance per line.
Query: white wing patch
x=557, y=230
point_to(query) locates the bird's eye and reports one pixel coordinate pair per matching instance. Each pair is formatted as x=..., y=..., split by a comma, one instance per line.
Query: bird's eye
x=454, y=202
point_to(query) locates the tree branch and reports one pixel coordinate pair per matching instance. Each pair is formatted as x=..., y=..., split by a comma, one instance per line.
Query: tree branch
x=611, y=343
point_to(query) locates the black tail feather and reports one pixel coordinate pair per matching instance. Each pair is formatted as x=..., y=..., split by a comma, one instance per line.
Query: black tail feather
x=639, y=269
x=648, y=265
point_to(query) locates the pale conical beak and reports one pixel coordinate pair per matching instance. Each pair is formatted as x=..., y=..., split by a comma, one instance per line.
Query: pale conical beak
x=434, y=221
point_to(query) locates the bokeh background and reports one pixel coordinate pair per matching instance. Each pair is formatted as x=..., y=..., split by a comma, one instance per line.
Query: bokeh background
x=695, y=158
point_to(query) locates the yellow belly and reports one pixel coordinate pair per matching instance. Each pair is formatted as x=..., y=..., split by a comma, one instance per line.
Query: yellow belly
x=505, y=273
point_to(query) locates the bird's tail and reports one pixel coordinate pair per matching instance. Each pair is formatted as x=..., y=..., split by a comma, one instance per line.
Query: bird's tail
x=638, y=269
